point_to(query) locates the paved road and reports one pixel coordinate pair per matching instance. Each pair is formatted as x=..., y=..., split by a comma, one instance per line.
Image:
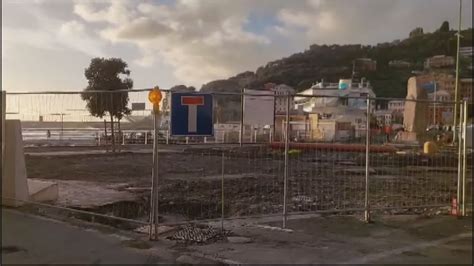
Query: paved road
x=31, y=239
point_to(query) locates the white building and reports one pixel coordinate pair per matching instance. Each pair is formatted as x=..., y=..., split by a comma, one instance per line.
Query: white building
x=466, y=51
x=280, y=102
x=384, y=117
x=397, y=106
x=329, y=95
x=347, y=103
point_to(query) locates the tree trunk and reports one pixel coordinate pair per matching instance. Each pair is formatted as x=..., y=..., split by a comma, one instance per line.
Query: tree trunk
x=120, y=136
x=105, y=135
x=112, y=132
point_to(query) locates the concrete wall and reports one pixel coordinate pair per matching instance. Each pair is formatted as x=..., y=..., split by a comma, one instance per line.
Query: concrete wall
x=14, y=182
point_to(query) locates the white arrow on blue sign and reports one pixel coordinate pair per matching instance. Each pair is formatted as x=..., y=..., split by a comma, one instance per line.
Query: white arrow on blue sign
x=191, y=114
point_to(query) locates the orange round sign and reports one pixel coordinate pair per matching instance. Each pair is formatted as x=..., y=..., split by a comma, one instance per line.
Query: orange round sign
x=154, y=96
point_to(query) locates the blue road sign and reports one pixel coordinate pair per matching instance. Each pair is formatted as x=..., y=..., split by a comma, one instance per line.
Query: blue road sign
x=191, y=114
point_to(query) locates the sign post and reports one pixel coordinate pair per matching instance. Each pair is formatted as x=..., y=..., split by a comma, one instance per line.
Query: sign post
x=154, y=97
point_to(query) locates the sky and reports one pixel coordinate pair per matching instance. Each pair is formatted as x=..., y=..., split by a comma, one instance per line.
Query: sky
x=47, y=44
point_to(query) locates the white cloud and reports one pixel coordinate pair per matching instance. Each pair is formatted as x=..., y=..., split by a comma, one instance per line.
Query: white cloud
x=198, y=41
x=116, y=11
x=73, y=35
x=201, y=42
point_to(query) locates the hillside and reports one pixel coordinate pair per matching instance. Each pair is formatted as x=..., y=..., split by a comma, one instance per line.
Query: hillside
x=332, y=62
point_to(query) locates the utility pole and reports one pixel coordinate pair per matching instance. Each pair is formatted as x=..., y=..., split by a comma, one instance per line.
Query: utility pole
x=456, y=88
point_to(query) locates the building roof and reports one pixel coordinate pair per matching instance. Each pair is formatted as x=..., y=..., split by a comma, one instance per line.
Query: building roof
x=283, y=87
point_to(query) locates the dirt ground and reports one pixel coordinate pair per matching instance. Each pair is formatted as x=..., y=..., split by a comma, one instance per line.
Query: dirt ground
x=191, y=179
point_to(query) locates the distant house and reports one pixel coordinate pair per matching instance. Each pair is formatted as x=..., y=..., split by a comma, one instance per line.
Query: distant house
x=444, y=81
x=332, y=102
x=466, y=51
x=399, y=64
x=439, y=61
x=439, y=112
x=280, y=102
x=466, y=89
x=396, y=106
x=384, y=117
x=416, y=32
x=365, y=65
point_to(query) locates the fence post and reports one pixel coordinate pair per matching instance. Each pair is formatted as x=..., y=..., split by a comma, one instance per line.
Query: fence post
x=367, y=164
x=270, y=135
x=222, y=192
x=154, y=213
x=167, y=137
x=146, y=137
x=285, y=174
x=105, y=134
x=3, y=118
x=464, y=156
x=459, y=142
x=241, y=133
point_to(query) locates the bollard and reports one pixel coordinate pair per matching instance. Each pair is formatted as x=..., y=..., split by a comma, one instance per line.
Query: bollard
x=430, y=147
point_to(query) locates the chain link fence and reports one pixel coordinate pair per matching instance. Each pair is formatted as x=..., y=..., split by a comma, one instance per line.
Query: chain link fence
x=336, y=154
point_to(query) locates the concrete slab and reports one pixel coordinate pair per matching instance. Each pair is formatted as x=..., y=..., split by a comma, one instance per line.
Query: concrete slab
x=84, y=194
x=42, y=190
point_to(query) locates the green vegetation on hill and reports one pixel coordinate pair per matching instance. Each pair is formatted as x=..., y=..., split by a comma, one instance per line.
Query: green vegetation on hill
x=332, y=62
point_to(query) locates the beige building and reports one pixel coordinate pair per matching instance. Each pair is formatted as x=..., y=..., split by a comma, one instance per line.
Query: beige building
x=329, y=130
x=444, y=81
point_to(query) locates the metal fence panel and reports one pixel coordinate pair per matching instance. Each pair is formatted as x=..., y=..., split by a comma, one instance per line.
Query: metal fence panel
x=316, y=162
